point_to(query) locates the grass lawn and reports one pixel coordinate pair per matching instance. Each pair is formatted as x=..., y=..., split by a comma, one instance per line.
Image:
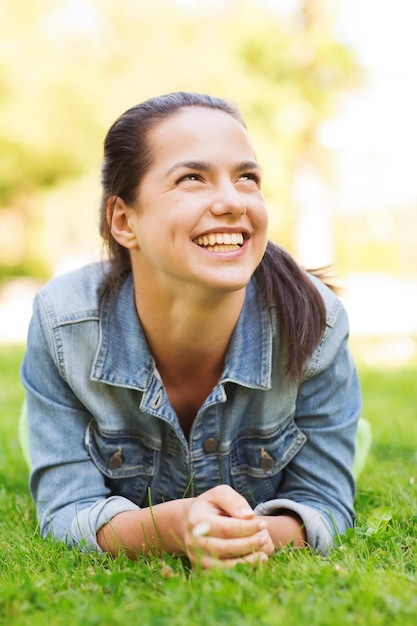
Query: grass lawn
x=370, y=578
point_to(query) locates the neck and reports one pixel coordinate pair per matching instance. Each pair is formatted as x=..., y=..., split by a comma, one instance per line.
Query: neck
x=188, y=333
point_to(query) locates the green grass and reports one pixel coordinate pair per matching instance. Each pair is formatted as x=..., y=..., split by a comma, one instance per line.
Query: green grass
x=370, y=578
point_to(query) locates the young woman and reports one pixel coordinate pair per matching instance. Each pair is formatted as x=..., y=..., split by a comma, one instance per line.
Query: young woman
x=195, y=394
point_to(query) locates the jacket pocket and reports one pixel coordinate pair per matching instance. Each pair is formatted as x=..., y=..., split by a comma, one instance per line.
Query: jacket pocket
x=127, y=461
x=258, y=457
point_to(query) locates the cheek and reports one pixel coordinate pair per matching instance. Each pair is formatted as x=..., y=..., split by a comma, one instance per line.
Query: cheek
x=262, y=218
x=262, y=231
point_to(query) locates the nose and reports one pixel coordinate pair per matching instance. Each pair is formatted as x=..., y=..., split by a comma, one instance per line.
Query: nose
x=228, y=201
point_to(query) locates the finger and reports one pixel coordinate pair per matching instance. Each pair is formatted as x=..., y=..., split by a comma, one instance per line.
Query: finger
x=206, y=562
x=229, y=501
x=228, y=527
x=234, y=548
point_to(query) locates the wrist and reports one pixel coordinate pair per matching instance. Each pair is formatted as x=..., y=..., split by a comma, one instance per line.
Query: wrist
x=286, y=527
x=180, y=510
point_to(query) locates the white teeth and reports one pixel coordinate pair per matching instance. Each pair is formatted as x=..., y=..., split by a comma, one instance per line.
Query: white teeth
x=225, y=240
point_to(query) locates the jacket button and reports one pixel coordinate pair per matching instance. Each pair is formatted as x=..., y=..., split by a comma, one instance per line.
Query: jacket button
x=267, y=462
x=116, y=460
x=157, y=400
x=210, y=445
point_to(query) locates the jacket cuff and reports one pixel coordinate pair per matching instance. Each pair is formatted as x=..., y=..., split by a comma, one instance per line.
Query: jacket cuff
x=318, y=531
x=88, y=521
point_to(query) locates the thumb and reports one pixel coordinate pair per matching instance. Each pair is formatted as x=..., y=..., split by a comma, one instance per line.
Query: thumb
x=231, y=502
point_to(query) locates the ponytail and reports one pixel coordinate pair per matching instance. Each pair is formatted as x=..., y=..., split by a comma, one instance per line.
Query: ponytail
x=301, y=309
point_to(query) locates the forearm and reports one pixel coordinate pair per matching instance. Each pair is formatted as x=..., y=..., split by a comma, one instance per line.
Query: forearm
x=285, y=529
x=157, y=529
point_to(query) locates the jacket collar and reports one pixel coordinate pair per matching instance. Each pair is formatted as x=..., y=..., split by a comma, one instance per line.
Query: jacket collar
x=249, y=358
x=123, y=357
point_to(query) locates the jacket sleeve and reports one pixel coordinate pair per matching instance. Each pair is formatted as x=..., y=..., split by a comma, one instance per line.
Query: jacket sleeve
x=72, y=500
x=317, y=483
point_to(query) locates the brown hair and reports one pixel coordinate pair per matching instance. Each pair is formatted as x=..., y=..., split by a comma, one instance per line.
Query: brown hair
x=281, y=282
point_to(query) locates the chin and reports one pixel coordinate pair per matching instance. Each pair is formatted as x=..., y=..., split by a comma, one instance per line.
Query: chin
x=229, y=284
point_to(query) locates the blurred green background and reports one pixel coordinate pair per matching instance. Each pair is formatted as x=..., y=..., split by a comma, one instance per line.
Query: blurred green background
x=328, y=90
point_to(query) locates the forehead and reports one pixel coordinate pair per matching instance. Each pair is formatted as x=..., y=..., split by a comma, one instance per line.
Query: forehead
x=192, y=131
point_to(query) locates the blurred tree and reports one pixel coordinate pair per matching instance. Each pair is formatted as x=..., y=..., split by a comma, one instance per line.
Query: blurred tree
x=69, y=67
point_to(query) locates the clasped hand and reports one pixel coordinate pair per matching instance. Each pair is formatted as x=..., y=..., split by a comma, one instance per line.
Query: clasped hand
x=222, y=530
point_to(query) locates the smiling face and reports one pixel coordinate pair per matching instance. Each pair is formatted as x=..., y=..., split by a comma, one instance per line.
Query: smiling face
x=201, y=218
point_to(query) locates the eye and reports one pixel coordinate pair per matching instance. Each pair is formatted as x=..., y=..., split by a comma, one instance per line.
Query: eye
x=251, y=176
x=191, y=176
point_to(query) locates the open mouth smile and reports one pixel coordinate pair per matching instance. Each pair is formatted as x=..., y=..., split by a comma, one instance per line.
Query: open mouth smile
x=220, y=242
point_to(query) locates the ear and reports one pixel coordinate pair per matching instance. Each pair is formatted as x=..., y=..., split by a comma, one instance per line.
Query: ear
x=119, y=218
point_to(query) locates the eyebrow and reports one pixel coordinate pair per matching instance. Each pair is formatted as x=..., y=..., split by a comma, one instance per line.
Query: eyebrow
x=204, y=166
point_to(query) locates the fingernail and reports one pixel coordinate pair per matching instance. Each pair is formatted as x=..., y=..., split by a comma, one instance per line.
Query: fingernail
x=262, y=525
x=246, y=511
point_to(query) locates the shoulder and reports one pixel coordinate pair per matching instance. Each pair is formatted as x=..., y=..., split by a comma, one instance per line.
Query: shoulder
x=333, y=304
x=333, y=343
x=74, y=293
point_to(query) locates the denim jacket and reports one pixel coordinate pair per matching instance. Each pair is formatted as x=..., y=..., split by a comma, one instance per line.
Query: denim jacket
x=104, y=438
